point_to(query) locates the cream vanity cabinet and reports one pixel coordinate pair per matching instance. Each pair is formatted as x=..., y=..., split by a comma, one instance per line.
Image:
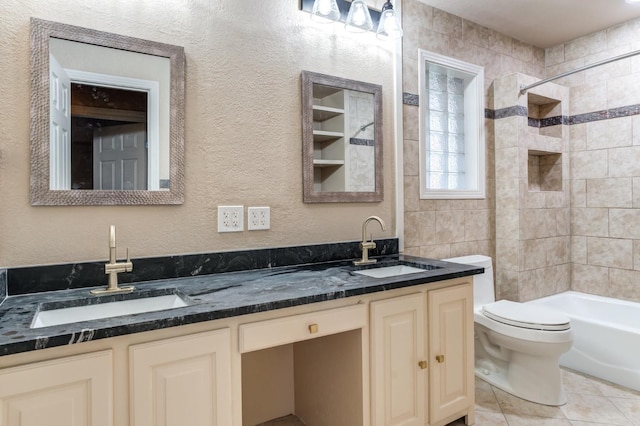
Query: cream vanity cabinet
x=76, y=390
x=182, y=381
x=422, y=357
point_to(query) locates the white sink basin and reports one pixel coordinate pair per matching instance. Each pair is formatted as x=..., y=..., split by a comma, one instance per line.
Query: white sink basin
x=59, y=316
x=389, y=271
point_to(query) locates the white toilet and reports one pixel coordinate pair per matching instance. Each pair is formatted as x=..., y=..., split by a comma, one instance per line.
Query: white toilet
x=517, y=345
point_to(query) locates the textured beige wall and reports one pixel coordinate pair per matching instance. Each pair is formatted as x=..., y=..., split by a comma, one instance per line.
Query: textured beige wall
x=605, y=159
x=443, y=228
x=243, y=128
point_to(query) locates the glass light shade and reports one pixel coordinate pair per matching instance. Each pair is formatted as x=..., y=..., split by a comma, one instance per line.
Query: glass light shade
x=389, y=26
x=325, y=11
x=359, y=19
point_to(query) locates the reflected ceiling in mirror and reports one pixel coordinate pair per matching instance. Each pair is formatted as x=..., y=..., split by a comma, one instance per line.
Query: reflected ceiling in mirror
x=342, y=139
x=92, y=92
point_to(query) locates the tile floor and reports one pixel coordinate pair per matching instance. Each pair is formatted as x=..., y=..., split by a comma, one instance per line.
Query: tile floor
x=591, y=402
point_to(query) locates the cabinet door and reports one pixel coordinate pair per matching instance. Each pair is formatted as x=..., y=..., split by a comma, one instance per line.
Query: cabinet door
x=397, y=347
x=185, y=381
x=451, y=387
x=72, y=391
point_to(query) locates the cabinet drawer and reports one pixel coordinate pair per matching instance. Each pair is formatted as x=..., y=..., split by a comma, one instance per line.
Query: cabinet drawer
x=280, y=331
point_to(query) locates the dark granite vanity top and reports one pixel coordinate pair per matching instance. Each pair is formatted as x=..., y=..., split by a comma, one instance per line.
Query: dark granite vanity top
x=211, y=297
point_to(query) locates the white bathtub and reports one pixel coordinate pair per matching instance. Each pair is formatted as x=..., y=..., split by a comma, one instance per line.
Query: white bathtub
x=606, y=335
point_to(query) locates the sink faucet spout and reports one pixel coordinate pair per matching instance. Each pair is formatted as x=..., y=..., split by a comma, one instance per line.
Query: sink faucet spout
x=113, y=268
x=368, y=245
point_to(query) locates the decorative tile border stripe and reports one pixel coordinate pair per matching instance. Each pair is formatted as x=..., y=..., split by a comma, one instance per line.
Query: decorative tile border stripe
x=521, y=111
x=410, y=99
x=363, y=142
x=511, y=111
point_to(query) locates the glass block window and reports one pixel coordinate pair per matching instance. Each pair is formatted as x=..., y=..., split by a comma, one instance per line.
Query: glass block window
x=451, y=130
x=445, y=127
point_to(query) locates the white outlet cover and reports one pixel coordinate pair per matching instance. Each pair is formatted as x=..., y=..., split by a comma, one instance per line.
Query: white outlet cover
x=258, y=218
x=230, y=218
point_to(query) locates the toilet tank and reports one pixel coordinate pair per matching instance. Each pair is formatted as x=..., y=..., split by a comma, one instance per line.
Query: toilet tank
x=483, y=290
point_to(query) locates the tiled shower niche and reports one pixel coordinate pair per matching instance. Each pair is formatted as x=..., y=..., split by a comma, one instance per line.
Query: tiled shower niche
x=545, y=115
x=544, y=171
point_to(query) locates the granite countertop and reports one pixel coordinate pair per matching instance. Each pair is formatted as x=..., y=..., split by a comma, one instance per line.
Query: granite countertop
x=210, y=297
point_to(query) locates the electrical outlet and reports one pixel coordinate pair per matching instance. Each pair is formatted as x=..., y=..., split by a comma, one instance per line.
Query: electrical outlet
x=258, y=218
x=230, y=218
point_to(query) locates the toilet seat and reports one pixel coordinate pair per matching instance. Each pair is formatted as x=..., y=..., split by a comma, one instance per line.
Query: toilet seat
x=526, y=316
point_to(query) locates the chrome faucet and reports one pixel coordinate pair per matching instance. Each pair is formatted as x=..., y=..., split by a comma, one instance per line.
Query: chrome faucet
x=367, y=245
x=113, y=268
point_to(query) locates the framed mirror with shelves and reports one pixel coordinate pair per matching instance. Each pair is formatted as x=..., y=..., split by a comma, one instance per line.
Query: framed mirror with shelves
x=342, y=140
x=107, y=118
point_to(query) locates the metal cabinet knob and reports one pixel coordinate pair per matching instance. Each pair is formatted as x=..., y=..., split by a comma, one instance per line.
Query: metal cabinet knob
x=422, y=364
x=313, y=328
x=440, y=359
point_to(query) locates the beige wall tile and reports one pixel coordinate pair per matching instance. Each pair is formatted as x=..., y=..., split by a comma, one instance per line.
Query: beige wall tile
x=438, y=251
x=447, y=23
x=590, y=279
x=410, y=82
x=563, y=221
x=636, y=255
x=450, y=226
x=615, y=192
x=522, y=51
x=587, y=98
x=507, y=254
x=592, y=222
x=559, y=276
x=419, y=228
x=579, y=249
x=558, y=250
x=623, y=91
x=478, y=225
x=610, y=252
x=578, y=137
x=623, y=34
x=578, y=193
x=589, y=164
x=636, y=192
x=609, y=133
x=500, y=43
x=507, y=223
x=532, y=285
x=411, y=154
x=475, y=34
x=624, y=284
x=505, y=94
x=554, y=55
x=411, y=194
x=484, y=247
x=624, y=223
x=624, y=162
x=585, y=46
x=533, y=254
x=603, y=73
x=576, y=79
x=636, y=129
x=507, y=285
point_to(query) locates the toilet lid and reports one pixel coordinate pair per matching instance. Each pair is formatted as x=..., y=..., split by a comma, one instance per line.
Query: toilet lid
x=526, y=316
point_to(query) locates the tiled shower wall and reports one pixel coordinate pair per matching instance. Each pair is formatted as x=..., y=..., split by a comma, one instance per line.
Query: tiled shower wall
x=605, y=160
x=443, y=228
x=532, y=189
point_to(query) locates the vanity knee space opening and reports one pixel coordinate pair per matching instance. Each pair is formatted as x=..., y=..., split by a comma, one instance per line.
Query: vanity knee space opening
x=318, y=381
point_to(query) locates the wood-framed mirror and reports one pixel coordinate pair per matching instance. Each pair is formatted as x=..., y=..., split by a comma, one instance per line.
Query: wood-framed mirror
x=107, y=118
x=341, y=140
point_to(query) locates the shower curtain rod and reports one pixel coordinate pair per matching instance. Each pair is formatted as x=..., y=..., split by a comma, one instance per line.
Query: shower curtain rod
x=523, y=88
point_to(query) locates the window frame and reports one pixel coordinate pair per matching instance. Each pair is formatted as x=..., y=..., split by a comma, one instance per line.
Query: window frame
x=475, y=172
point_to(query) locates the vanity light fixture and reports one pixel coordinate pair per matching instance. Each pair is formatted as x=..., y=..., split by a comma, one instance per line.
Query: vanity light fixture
x=359, y=18
x=325, y=11
x=389, y=26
